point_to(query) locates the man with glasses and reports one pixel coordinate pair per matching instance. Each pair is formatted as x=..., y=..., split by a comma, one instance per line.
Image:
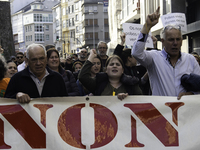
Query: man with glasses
x=165, y=67
x=102, y=50
x=36, y=80
x=19, y=58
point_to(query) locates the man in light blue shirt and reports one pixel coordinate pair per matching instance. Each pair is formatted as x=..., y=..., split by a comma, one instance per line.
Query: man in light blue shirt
x=165, y=67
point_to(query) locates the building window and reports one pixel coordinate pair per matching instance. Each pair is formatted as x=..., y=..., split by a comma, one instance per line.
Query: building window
x=69, y=10
x=77, y=29
x=72, y=21
x=57, y=23
x=106, y=35
x=39, y=37
x=64, y=24
x=63, y=11
x=47, y=28
x=47, y=37
x=72, y=8
x=76, y=17
x=39, y=28
x=67, y=23
x=43, y=18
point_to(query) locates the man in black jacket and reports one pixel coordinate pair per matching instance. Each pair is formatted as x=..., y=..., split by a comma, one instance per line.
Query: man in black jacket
x=36, y=80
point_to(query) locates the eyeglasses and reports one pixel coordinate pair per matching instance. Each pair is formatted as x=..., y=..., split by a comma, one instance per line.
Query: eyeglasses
x=171, y=26
x=83, y=52
x=19, y=57
x=102, y=47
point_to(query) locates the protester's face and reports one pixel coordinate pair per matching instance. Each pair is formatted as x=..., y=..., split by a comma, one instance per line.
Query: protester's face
x=37, y=61
x=74, y=57
x=77, y=67
x=83, y=54
x=114, y=68
x=102, y=49
x=172, y=42
x=20, y=58
x=96, y=67
x=11, y=69
x=53, y=61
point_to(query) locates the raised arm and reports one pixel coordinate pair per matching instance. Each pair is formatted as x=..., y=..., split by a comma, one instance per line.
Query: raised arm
x=85, y=73
x=151, y=20
x=119, y=48
x=138, y=50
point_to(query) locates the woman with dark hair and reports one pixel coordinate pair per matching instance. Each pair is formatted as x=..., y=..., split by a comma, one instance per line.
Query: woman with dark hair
x=3, y=81
x=11, y=68
x=53, y=62
x=130, y=66
x=111, y=82
x=96, y=68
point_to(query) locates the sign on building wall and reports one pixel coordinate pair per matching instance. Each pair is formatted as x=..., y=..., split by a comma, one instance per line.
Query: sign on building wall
x=103, y=123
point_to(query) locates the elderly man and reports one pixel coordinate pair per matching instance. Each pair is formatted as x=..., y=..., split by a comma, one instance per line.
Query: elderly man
x=165, y=67
x=36, y=80
x=102, y=50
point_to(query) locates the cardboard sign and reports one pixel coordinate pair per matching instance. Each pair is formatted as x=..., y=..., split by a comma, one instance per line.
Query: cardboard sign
x=176, y=19
x=101, y=122
x=132, y=32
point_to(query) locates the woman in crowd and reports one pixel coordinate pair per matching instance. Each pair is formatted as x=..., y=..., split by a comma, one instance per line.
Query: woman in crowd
x=53, y=62
x=96, y=68
x=112, y=82
x=76, y=68
x=3, y=81
x=11, y=69
x=130, y=66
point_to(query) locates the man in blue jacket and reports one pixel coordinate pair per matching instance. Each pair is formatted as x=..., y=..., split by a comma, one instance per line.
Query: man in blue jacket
x=36, y=80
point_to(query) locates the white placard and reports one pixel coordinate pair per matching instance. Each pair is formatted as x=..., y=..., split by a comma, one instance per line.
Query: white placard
x=132, y=31
x=175, y=18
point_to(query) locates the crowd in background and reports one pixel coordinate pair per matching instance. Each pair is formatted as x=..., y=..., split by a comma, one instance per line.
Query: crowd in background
x=40, y=72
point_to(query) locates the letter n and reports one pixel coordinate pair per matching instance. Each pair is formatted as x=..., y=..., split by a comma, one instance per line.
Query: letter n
x=24, y=125
x=156, y=123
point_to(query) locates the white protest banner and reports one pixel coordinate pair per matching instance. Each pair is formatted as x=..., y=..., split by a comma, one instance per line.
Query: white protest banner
x=101, y=122
x=176, y=19
x=132, y=31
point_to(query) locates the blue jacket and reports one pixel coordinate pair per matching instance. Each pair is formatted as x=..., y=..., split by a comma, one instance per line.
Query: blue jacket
x=54, y=85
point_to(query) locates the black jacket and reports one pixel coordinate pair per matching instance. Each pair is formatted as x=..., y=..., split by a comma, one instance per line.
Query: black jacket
x=54, y=85
x=70, y=82
x=97, y=85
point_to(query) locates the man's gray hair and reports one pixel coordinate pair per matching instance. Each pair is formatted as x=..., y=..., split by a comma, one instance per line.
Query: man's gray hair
x=167, y=28
x=32, y=46
x=101, y=43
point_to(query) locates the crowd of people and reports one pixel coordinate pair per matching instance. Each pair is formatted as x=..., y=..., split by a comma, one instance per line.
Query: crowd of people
x=40, y=72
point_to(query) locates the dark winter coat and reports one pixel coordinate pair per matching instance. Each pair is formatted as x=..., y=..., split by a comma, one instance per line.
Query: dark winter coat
x=70, y=82
x=54, y=85
x=97, y=85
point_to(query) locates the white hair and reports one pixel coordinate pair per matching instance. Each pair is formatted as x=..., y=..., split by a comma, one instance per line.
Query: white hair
x=32, y=46
x=167, y=28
